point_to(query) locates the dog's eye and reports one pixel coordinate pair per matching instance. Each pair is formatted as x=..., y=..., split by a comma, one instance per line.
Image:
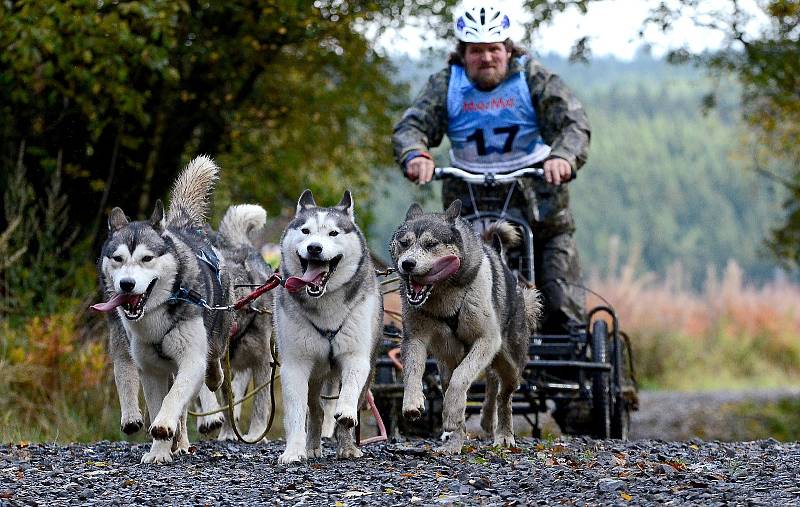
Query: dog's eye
x=117, y=258
x=405, y=243
x=333, y=233
x=147, y=258
x=431, y=244
x=305, y=231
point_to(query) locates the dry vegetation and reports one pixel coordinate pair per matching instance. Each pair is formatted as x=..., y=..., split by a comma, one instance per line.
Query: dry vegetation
x=730, y=335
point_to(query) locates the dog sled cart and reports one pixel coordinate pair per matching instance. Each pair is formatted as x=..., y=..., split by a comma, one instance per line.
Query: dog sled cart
x=585, y=379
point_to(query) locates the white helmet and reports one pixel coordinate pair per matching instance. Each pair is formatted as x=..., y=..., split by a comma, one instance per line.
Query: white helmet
x=482, y=22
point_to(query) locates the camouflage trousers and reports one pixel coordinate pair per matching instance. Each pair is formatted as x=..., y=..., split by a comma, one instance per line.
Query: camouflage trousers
x=556, y=262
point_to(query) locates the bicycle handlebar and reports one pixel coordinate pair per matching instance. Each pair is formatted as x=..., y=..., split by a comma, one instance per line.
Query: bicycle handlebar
x=441, y=173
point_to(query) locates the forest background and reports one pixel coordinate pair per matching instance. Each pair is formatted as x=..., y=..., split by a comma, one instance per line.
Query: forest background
x=686, y=210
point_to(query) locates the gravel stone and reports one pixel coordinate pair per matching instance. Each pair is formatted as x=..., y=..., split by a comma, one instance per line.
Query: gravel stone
x=570, y=471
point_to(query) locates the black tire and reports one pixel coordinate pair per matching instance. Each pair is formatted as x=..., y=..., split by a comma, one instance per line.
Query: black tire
x=620, y=415
x=601, y=395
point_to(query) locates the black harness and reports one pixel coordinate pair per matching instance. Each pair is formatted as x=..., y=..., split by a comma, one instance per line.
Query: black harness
x=328, y=334
x=181, y=294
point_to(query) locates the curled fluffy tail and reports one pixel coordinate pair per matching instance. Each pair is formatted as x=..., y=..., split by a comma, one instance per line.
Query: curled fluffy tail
x=507, y=233
x=191, y=196
x=243, y=225
x=533, y=307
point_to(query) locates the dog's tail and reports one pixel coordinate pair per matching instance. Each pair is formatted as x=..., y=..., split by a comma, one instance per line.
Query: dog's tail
x=502, y=235
x=243, y=225
x=190, y=199
x=533, y=306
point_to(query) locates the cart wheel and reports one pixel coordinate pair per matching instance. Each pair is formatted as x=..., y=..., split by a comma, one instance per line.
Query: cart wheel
x=601, y=399
x=620, y=415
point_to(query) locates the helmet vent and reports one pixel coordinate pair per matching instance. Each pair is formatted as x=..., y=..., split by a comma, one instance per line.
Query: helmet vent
x=483, y=16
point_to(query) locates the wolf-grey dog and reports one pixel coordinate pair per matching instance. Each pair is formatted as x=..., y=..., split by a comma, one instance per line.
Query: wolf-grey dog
x=239, y=239
x=150, y=271
x=464, y=305
x=328, y=320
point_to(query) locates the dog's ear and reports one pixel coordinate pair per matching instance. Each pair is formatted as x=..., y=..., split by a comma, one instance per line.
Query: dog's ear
x=306, y=201
x=346, y=205
x=116, y=220
x=453, y=211
x=414, y=211
x=157, y=218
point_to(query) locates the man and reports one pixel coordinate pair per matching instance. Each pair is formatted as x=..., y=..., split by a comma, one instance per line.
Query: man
x=502, y=111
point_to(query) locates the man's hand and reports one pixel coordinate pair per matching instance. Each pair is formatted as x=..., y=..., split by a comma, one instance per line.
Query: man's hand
x=420, y=170
x=557, y=170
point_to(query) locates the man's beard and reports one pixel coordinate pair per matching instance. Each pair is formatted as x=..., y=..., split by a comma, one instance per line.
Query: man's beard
x=488, y=80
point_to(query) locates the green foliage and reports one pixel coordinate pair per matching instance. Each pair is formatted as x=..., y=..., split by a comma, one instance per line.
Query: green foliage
x=767, y=66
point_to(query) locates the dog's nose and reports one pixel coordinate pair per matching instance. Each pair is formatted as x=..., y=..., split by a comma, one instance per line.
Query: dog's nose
x=408, y=265
x=314, y=248
x=127, y=284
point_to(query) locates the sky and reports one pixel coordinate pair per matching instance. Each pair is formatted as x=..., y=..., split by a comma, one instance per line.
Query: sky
x=612, y=25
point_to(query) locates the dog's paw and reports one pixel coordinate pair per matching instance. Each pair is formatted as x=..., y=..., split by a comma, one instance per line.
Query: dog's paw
x=162, y=430
x=413, y=409
x=157, y=456
x=210, y=423
x=348, y=452
x=453, y=441
x=181, y=449
x=131, y=427
x=291, y=456
x=346, y=419
x=482, y=434
x=505, y=440
x=315, y=452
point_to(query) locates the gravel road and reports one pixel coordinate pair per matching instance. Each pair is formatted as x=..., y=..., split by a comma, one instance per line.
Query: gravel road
x=571, y=471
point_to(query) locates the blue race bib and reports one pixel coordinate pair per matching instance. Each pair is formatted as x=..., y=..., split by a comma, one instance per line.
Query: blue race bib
x=492, y=131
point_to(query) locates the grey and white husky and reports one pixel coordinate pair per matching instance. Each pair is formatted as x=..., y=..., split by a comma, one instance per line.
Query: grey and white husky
x=147, y=271
x=465, y=306
x=239, y=239
x=328, y=320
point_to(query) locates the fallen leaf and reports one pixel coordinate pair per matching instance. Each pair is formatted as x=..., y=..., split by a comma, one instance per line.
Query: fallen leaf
x=408, y=475
x=339, y=503
x=98, y=463
x=694, y=447
x=625, y=496
x=128, y=483
x=23, y=443
x=7, y=494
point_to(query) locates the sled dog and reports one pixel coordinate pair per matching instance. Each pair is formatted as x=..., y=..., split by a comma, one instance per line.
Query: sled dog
x=328, y=320
x=465, y=306
x=150, y=271
x=239, y=239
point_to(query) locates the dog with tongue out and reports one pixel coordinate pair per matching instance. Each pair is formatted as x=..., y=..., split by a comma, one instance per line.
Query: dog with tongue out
x=328, y=318
x=464, y=305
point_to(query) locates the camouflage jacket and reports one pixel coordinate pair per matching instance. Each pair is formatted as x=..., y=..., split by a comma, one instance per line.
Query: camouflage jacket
x=562, y=122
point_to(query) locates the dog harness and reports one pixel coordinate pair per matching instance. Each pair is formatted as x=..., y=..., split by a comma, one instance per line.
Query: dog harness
x=495, y=130
x=328, y=334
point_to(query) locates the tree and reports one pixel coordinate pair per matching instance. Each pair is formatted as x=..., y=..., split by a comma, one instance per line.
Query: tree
x=766, y=63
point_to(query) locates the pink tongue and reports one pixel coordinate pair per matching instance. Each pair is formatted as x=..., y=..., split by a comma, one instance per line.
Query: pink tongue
x=119, y=299
x=313, y=275
x=441, y=270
